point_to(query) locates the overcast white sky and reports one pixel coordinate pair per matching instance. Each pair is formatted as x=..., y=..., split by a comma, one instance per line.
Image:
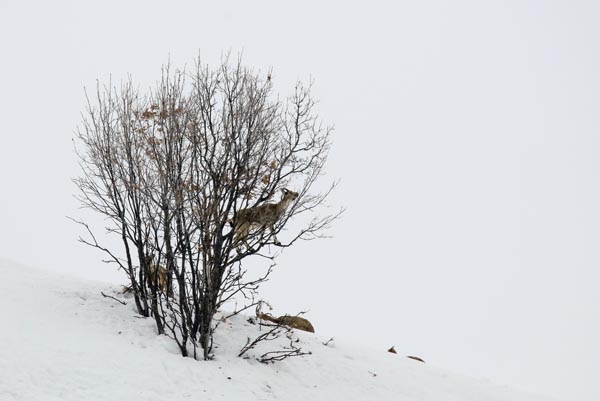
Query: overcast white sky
x=467, y=140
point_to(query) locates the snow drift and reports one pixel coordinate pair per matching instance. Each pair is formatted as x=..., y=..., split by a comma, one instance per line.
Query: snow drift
x=62, y=340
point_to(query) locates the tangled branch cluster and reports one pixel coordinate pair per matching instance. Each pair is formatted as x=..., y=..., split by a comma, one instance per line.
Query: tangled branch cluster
x=171, y=168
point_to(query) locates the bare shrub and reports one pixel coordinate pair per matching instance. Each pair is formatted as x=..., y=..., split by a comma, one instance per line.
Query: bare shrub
x=171, y=168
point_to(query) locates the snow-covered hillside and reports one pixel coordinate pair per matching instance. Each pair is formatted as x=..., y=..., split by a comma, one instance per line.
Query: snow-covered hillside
x=62, y=340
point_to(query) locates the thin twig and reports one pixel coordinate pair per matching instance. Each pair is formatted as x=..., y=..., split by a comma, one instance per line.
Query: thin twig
x=108, y=296
x=326, y=343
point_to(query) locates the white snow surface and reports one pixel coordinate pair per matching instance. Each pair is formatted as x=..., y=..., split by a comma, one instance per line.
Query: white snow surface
x=60, y=339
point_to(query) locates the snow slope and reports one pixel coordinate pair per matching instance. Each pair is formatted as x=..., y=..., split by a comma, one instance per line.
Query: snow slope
x=61, y=340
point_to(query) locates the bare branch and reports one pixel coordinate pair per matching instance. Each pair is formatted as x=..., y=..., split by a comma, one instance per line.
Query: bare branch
x=108, y=296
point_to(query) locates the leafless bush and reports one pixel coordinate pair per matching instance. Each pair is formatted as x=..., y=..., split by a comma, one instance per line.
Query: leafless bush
x=171, y=170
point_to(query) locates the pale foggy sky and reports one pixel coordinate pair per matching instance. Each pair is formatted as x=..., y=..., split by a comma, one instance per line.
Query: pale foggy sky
x=467, y=140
